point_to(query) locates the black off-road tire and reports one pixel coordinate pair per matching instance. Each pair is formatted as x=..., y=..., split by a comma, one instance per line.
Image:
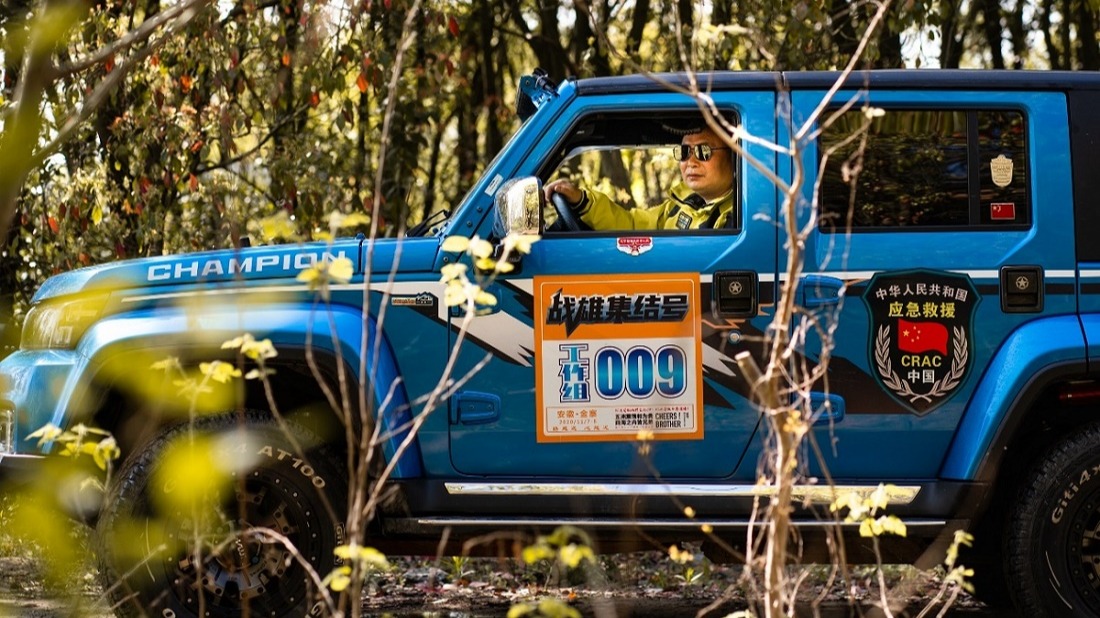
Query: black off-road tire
x=278, y=490
x=1052, y=544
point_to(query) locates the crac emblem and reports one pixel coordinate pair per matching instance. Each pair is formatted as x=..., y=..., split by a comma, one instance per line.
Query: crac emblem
x=921, y=327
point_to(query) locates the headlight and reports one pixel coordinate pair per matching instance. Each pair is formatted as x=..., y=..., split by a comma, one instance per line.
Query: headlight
x=60, y=324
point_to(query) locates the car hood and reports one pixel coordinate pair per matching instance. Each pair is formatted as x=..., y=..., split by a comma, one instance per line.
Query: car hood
x=278, y=262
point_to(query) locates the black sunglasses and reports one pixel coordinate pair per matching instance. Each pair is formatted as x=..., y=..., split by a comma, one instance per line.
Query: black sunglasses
x=702, y=152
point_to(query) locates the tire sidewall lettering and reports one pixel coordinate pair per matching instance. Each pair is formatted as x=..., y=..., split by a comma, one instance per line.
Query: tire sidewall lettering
x=307, y=471
x=1070, y=492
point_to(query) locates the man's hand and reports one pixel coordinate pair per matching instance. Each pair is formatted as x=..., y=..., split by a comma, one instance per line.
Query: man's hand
x=570, y=191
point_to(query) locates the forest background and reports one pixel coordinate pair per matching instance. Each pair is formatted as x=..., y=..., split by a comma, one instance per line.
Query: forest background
x=254, y=107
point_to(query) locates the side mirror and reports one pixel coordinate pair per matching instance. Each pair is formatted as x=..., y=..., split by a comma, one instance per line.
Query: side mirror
x=518, y=207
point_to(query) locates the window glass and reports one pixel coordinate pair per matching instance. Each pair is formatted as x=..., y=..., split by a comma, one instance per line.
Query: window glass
x=629, y=158
x=924, y=168
x=1001, y=151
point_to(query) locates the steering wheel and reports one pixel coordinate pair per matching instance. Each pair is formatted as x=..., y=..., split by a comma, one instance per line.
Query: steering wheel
x=566, y=216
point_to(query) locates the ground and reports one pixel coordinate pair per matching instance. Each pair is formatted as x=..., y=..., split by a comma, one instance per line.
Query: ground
x=641, y=585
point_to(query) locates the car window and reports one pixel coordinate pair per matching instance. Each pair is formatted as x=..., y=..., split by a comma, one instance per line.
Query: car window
x=924, y=169
x=635, y=177
x=629, y=157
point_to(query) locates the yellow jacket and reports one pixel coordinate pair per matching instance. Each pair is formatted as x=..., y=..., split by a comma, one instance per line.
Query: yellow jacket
x=682, y=210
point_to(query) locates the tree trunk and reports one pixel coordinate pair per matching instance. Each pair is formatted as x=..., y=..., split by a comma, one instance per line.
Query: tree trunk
x=889, y=48
x=638, y=22
x=1056, y=58
x=687, y=25
x=1017, y=31
x=1086, y=36
x=952, y=36
x=1064, y=34
x=991, y=28
x=546, y=43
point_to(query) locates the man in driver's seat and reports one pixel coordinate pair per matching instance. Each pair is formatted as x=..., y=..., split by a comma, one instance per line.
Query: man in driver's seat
x=703, y=200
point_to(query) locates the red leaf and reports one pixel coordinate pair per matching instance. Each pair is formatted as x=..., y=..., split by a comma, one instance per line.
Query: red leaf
x=54, y=226
x=193, y=184
x=144, y=184
x=361, y=82
x=452, y=25
x=185, y=83
x=234, y=58
x=314, y=99
x=197, y=146
x=61, y=212
x=388, y=4
x=109, y=64
x=286, y=59
x=84, y=259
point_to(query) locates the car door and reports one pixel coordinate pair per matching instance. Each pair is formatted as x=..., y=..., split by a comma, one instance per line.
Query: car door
x=600, y=335
x=945, y=248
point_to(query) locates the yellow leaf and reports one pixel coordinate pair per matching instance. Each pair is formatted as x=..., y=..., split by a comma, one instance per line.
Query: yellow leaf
x=480, y=248
x=341, y=270
x=46, y=433
x=105, y=451
x=456, y=244
x=309, y=275
x=486, y=263
x=259, y=350
x=97, y=214
x=534, y=553
x=170, y=362
x=451, y=272
x=454, y=295
x=339, y=579
x=519, y=611
x=572, y=555
x=338, y=220
x=520, y=243
x=486, y=299
x=236, y=342
x=219, y=371
x=274, y=227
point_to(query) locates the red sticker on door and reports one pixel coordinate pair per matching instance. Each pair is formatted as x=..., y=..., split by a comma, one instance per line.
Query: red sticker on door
x=1002, y=211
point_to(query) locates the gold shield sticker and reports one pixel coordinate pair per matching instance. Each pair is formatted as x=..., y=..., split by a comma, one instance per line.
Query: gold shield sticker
x=1001, y=169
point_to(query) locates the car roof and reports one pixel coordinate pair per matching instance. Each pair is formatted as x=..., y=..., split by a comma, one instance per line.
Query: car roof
x=915, y=79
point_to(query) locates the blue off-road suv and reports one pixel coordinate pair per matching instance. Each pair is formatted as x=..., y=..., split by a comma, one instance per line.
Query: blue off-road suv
x=953, y=258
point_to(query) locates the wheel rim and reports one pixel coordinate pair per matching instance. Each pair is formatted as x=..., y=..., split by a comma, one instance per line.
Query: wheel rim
x=1083, y=553
x=243, y=569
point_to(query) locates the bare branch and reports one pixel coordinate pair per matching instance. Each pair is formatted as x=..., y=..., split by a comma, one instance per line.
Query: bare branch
x=185, y=10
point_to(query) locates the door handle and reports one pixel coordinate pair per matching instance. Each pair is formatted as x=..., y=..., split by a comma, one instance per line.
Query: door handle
x=820, y=291
x=826, y=408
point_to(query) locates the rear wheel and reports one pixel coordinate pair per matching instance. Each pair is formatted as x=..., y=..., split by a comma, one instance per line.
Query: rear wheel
x=237, y=545
x=1053, y=540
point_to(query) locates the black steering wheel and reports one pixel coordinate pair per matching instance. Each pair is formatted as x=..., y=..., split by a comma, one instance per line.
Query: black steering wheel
x=566, y=216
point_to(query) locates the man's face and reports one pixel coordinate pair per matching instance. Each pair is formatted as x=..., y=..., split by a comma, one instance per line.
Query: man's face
x=710, y=179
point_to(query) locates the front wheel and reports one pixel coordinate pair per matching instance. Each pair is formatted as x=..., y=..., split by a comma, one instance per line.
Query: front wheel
x=175, y=545
x=1053, y=539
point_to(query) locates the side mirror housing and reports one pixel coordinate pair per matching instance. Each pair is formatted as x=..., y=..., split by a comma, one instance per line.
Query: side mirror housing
x=518, y=207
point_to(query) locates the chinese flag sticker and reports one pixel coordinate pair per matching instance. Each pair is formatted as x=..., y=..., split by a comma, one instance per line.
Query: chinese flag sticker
x=1002, y=211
